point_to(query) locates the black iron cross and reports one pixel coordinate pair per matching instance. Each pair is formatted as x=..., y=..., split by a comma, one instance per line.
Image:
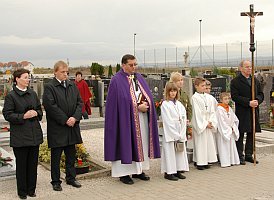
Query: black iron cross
x=251, y=16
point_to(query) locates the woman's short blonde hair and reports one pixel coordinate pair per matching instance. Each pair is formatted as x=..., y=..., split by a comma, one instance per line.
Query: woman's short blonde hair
x=175, y=77
x=171, y=86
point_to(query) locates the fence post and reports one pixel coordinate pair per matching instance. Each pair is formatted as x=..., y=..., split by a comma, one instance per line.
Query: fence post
x=272, y=52
x=165, y=57
x=241, y=51
x=213, y=56
x=144, y=57
x=176, y=57
x=226, y=54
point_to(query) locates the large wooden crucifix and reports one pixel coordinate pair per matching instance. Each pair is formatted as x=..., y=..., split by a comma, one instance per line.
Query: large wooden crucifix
x=251, y=14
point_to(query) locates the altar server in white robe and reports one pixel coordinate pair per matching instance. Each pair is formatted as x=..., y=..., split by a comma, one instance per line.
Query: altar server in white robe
x=228, y=132
x=204, y=123
x=174, y=125
x=215, y=103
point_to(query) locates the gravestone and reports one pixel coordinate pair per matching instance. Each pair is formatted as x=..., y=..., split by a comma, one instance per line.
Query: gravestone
x=35, y=86
x=188, y=87
x=94, y=85
x=265, y=106
x=218, y=86
x=7, y=171
x=156, y=88
x=2, y=90
x=106, y=82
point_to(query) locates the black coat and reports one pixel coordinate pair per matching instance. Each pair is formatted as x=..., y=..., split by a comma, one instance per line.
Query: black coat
x=23, y=132
x=241, y=95
x=60, y=104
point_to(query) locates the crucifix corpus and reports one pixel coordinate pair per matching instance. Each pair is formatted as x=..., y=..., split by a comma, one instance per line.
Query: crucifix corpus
x=251, y=14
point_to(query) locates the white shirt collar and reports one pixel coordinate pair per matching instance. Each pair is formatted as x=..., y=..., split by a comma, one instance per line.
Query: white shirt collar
x=24, y=90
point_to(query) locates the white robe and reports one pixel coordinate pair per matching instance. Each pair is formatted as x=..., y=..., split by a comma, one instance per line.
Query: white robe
x=173, y=130
x=203, y=111
x=215, y=104
x=117, y=168
x=227, y=134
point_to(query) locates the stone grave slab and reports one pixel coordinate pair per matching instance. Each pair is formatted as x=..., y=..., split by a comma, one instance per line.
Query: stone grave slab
x=7, y=171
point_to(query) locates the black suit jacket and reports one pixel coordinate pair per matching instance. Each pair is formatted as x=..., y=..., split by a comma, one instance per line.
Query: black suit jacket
x=61, y=103
x=241, y=95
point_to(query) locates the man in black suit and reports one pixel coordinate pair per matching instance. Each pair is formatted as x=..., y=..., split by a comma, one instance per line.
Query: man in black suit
x=63, y=105
x=242, y=96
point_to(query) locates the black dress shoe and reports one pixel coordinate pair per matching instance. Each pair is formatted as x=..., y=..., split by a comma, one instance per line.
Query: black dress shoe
x=200, y=167
x=250, y=159
x=126, y=180
x=57, y=187
x=32, y=194
x=242, y=162
x=206, y=166
x=22, y=196
x=141, y=176
x=74, y=184
x=171, y=177
x=179, y=175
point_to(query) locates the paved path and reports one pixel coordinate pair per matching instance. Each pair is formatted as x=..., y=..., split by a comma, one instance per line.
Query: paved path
x=237, y=183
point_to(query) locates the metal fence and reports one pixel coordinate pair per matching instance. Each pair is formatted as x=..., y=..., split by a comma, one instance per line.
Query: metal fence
x=223, y=55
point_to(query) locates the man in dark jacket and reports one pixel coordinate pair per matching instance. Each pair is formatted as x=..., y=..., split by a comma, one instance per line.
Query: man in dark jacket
x=242, y=96
x=63, y=107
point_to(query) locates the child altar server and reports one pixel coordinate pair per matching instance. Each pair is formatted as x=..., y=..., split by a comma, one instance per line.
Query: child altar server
x=174, y=156
x=228, y=132
x=204, y=124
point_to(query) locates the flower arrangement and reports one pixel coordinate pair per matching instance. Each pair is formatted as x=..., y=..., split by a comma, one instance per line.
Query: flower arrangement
x=4, y=161
x=157, y=105
x=82, y=156
x=81, y=161
x=189, y=131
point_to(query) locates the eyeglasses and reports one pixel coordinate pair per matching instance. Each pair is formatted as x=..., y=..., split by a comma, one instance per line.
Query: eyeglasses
x=131, y=65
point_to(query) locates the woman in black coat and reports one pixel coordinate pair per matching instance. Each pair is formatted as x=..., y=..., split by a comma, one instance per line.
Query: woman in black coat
x=22, y=109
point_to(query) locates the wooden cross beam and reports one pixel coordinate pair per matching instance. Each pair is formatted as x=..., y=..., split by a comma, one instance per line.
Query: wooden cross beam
x=252, y=16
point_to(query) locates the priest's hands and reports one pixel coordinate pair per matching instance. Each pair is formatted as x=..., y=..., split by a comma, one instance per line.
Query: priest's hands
x=210, y=126
x=71, y=121
x=253, y=103
x=143, y=107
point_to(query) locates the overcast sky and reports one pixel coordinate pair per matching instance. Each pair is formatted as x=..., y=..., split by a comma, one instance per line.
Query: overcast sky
x=85, y=31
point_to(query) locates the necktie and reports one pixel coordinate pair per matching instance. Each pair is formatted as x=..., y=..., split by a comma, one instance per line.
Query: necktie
x=63, y=83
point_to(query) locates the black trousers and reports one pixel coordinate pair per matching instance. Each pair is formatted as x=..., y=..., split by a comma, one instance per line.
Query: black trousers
x=70, y=154
x=26, y=169
x=248, y=145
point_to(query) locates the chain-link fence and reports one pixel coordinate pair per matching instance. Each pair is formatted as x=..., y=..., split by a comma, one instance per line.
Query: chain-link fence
x=221, y=55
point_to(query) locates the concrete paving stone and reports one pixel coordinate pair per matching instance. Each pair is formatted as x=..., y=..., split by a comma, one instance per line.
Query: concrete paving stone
x=237, y=182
